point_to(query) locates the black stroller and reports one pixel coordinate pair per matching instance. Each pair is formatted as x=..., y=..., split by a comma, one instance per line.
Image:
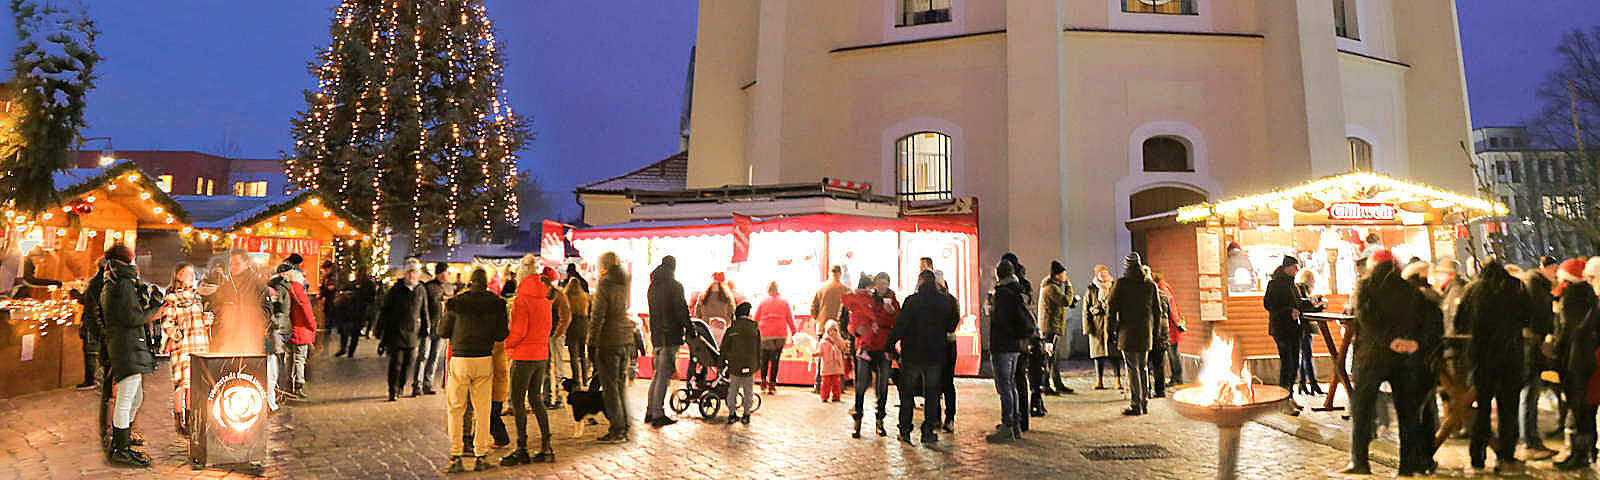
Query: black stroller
x=704, y=384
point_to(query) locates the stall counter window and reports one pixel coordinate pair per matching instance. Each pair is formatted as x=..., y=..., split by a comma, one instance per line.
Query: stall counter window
x=1328, y=252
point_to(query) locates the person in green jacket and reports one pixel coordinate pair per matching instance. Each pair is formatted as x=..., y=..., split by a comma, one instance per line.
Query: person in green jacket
x=741, y=347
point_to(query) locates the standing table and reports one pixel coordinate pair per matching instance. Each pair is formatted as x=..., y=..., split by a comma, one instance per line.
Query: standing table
x=1338, y=350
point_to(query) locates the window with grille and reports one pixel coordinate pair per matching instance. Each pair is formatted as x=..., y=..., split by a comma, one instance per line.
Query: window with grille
x=1345, y=22
x=1166, y=154
x=1168, y=7
x=1360, y=154
x=923, y=166
x=923, y=12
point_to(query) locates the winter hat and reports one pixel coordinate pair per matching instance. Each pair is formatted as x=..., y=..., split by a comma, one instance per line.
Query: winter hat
x=1004, y=270
x=719, y=277
x=1010, y=257
x=1056, y=268
x=550, y=275
x=1419, y=269
x=283, y=267
x=1233, y=246
x=120, y=252
x=1290, y=261
x=1571, y=271
x=1132, y=261
x=294, y=259
x=743, y=310
x=1592, y=269
x=1378, y=257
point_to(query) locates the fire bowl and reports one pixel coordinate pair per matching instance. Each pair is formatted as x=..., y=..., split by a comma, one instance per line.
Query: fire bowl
x=1190, y=402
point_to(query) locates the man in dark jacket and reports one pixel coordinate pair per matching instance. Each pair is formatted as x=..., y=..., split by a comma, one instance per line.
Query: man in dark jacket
x=925, y=320
x=90, y=327
x=1540, y=283
x=1284, y=304
x=127, y=309
x=428, y=344
x=1055, y=298
x=669, y=320
x=611, y=336
x=1495, y=310
x=474, y=322
x=1134, y=308
x=404, y=313
x=279, y=326
x=1011, y=326
x=1394, y=322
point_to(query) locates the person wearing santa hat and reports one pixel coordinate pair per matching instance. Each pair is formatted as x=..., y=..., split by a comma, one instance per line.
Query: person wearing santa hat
x=1575, y=351
x=1395, y=326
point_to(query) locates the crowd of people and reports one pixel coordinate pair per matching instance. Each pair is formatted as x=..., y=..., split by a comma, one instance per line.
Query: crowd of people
x=1434, y=335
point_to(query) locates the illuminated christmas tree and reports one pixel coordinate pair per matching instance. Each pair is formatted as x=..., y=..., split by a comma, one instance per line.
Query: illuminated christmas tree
x=54, y=67
x=408, y=124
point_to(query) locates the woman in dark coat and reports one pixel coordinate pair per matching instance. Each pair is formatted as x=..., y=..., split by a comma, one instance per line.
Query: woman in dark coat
x=1494, y=311
x=1575, y=350
x=127, y=311
x=1395, y=328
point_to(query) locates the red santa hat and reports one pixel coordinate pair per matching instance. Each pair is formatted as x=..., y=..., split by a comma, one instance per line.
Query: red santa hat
x=550, y=275
x=1571, y=271
x=1378, y=257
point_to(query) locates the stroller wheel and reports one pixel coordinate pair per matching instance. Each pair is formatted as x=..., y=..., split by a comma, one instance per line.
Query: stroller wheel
x=679, y=401
x=710, y=403
x=757, y=401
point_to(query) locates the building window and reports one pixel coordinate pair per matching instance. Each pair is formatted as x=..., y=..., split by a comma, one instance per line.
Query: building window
x=1574, y=173
x=164, y=182
x=1166, y=154
x=1169, y=7
x=923, y=12
x=1494, y=142
x=1516, y=172
x=1546, y=174
x=204, y=186
x=1360, y=154
x=923, y=164
x=250, y=189
x=1500, y=169
x=1345, y=22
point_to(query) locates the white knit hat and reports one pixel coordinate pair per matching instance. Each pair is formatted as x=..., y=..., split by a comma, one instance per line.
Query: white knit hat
x=1592, y=269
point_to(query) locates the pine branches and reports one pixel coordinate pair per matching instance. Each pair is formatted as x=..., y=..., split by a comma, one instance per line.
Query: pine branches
x=54, y=64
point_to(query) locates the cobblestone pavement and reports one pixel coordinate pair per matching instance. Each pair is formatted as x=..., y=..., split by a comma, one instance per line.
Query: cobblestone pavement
x=347, y=431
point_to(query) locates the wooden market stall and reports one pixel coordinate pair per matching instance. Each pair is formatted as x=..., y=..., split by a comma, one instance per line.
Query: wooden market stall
x=1220, y=255
x=272, y=228
x=52, y=254
x=796, y=252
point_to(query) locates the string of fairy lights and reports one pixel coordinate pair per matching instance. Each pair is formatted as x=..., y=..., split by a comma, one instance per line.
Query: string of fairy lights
x=355, y=128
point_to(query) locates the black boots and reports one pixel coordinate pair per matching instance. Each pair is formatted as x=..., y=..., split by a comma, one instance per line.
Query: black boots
x=857, y=432
x=1578, y=458
x=1004, y=433
x=122, y=452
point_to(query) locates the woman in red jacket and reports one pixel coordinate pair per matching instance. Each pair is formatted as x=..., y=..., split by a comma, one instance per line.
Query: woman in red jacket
x=304, y=329
x=777, y=323
x=872, y=310
x=528, y=346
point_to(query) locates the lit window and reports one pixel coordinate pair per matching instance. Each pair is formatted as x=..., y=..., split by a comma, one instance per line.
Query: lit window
x=1360, y=154
x=923, y=161
x=922, y=12
x=1345, y=22
x=1166, y=154
x=200, y=185
x=1169, y=7
x=250, y=189
x=164, y=182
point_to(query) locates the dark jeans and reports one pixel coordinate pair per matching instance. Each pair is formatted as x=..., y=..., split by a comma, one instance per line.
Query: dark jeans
x=578, y=355
x=873, y=372
x=1288, y=358
x=927, y=377
x=1019, y=377
x=1138, y=380
x=1100, y=365
x=1409, y=384
x=611, y=372
x=1174, y=364
x=1158, y=370
x=947, y=379
x=1505, y=444
x=497, y=426
x=1532, y=385
x=1307, y=375
x=348, y=342
x=428, y=348
x=1005, y=374
x=527, y=387
x=770, y=358
x=401, y=360
x=1062, y=352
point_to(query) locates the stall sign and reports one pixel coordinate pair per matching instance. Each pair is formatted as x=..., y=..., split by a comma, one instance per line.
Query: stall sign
x=1362, y=211
x=282, y=231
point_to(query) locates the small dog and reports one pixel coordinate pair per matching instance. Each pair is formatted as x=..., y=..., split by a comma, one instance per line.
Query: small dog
x=587, y=404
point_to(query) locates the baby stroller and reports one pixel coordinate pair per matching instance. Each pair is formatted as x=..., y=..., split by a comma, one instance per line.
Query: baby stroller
x=704, y=385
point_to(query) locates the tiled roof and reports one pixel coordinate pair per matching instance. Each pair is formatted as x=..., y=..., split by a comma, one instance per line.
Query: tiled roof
x=671, y=173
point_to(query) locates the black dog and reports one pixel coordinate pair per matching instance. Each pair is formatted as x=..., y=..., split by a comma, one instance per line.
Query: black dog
x=587, y=404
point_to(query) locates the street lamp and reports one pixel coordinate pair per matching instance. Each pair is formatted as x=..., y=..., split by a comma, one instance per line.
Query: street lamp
x=107, y=155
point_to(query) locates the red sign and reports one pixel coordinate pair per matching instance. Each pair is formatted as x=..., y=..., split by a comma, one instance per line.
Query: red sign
x=741, y=238
x=552, y=247
x=1362, y=211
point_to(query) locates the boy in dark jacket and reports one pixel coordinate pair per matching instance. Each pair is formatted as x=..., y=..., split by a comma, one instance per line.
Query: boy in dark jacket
x=741, y=348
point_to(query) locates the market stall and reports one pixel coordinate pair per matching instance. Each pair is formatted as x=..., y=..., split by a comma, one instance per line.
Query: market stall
x=272, y=228
x=53, y=253
x=1221, y=255
x=797, y=252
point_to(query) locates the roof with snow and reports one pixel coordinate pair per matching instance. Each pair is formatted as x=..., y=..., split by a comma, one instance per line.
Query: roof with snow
x=229, y=213
x=671, y=173
x=74, y=182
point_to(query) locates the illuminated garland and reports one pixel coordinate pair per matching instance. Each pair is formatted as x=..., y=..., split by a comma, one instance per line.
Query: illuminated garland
x=37, y=315
x=1349, y=182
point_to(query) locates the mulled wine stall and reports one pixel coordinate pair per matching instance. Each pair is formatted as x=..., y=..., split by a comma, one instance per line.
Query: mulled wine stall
x=1220, y=255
